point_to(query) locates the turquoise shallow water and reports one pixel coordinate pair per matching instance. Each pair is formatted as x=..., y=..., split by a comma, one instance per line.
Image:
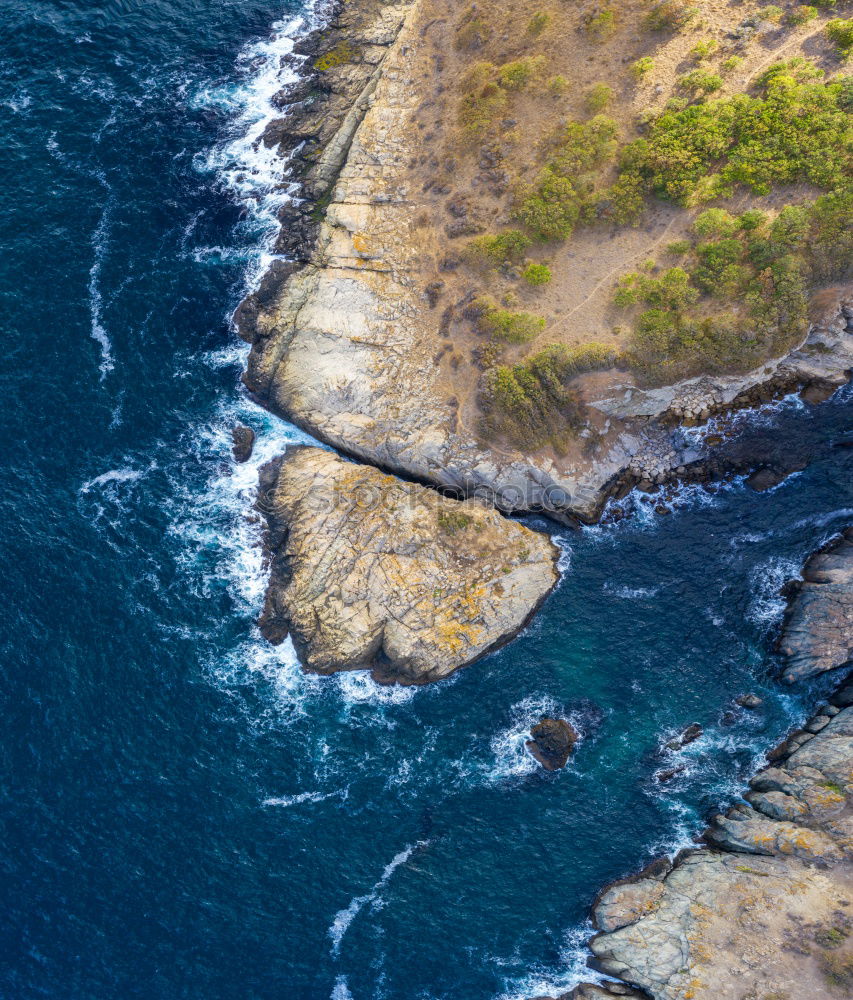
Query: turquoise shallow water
x=184, y=814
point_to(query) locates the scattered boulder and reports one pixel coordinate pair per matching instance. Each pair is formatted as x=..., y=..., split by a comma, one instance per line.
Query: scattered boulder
x=552, y=742
x=688, y=735
x=244, y=441
x=749, y=701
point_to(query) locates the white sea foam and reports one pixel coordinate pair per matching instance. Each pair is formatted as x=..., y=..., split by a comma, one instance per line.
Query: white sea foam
x=340, y=991
x=97, y=329
x=124, y=475
x=285, y=801
x=631, y=593
x=538, y=981
x=766, y=579
x=344, y=918
x=256, y=174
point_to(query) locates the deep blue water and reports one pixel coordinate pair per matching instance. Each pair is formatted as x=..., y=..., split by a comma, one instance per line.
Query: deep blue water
x=184, y=814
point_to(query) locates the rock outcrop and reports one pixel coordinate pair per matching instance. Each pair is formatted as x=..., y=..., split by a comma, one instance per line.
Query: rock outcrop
x=818, y=630
x=767, y=910
x=551, y=743
x=370, y=572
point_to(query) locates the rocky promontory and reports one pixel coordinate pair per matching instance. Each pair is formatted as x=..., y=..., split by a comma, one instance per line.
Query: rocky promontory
x=371, y=572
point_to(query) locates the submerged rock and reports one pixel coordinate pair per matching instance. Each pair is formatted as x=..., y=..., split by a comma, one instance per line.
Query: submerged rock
x=244, y=441
x=371, y=572
x=818, y=631
x=552, y=742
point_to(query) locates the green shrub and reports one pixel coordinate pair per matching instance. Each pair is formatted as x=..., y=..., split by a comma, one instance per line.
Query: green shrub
x=506, y=325
x=472, y=31
x=678, y=248
x=840, y=32
x=731, y=64
x=601, y=25
x=751, y=219
x=796, y=132
x=771, y=13
x=701, y=50
x=452, y=521
x=538, y=23
x=802, y=14
x=715, y=222
x=536, y=274
x=799, y=69
x=672, y=290
x=341, y=54
x=531, y=403
x=517, y=74
x=598, y=97
x=642, y=67
x=557, y=85
x=699, y=80
x=670, y=15
x=498, y=249
x=553, y=206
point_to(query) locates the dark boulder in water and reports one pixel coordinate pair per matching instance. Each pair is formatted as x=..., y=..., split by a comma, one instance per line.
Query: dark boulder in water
x=750, y=701
x=552, y=742
x=688, y=735
x=244, y=442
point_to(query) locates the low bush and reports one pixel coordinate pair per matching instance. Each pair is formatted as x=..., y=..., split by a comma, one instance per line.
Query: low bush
x=538, y=23
x=701, y=50
x=715, y=222
x=840, y=33
x=472, y=32
x=517, y=74
x=802, y=14
x=670, y=15
x=699, y=80
x=557, y=85
x=532, y=404
x=771, y=13
x=598, y=97
x=731, y=64
x=502, y=248
x=672, y=290
x=678, y=248
x=506, y=325
x=642, y=67
x=536, y=274
x=601, y=25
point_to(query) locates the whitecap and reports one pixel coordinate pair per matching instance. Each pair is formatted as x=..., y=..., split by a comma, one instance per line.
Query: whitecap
x=631, y=593
x=285, y=801
x=767, y=605
x=340, y=991
x=97, y=329
x=344, y=918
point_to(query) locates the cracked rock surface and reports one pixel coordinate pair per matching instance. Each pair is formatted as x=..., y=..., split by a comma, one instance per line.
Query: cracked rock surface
x=371, y=572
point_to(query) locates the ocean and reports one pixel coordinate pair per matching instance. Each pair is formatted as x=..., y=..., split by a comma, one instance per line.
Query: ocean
x=183, y=812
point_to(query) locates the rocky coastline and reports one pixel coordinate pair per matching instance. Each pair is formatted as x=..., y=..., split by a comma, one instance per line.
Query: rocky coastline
x=345, y=338
x=765, y=909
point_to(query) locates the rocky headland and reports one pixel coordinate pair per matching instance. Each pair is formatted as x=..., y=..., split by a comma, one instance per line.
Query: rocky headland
x=370, y=340
x=371, y=572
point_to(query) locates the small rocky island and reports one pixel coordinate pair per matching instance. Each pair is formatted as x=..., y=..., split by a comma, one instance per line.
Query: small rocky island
x=371, y=572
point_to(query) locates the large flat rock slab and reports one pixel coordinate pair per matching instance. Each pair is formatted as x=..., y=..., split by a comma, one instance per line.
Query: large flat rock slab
x=818, y=631
x=371, y=572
